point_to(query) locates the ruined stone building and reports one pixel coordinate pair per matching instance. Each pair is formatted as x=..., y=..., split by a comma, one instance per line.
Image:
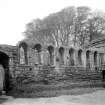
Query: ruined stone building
x=46, y=61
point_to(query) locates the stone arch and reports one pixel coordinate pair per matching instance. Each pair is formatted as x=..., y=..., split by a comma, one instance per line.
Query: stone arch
x=23, y=53
x=80, y=57
x=4, y=70
x=72, y=57
x=38, y=49
x=51, y=54
x=95, y=58
x=88, y=58
x=61, y=55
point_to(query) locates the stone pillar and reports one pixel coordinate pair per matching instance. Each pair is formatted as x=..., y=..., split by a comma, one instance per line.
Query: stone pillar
x=66, y=56
x=57, y=60
x=75, y=57
x=11, y=64
x=35, y=59
x=55, y=57
x=2, y=77
x=84, y=58
x=22, y=56
x=42, y=57
x=30, y=55
x=98, y=59
x=28, y=50
x=42, y=54
x=92, y=60
x=45, y=57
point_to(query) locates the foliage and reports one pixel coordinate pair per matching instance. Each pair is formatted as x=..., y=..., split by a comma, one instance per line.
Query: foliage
x=69, y=27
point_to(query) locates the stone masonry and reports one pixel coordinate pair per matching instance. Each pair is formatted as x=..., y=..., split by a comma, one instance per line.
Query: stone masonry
x=47, y=62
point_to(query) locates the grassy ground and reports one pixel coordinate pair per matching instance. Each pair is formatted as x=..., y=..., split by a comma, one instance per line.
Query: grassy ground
x=52, y=90
x=78, y=96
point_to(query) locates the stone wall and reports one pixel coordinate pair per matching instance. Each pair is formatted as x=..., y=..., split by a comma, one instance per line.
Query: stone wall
x=50, y=65
x=45, y=74
x=61, y=56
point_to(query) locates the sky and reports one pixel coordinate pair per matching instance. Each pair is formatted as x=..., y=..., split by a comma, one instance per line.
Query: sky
x=15, y=14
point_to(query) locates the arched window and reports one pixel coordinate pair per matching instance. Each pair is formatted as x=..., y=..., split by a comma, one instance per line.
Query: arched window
x=71, y=54
x=80, y=57
x=23, y=53
x=37, y=49
x=88, y=58
x=51, y=54
x=61, y=54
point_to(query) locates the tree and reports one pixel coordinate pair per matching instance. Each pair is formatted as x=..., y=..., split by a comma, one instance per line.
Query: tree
x=32, y=28
x=60, y=25
x=80, y=25
x=35, y=31
x=70, y=26
x=96, y=25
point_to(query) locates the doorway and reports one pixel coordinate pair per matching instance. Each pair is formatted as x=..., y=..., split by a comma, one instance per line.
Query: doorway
x=4, y=71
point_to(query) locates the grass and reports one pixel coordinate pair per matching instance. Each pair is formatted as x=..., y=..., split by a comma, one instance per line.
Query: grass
x=52, y=90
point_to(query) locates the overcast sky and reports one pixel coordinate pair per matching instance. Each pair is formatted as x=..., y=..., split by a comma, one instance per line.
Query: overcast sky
x=14, y=14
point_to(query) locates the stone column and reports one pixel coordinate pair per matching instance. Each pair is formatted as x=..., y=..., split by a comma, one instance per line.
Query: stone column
x=30, y=56
x=66, y=54
x=75, y=57
x=84, y=58
x=98, y=59
x=46, y=57
x=11, y=68
x=92, y=60
x=35, y=57
x=55, y=57
x=28, y=50
x=41, y=55
x=2, y=78
x=57, y=60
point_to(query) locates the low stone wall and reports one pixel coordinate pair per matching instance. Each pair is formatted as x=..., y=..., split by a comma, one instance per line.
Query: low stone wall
x=48, y=74
x=30, y=80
